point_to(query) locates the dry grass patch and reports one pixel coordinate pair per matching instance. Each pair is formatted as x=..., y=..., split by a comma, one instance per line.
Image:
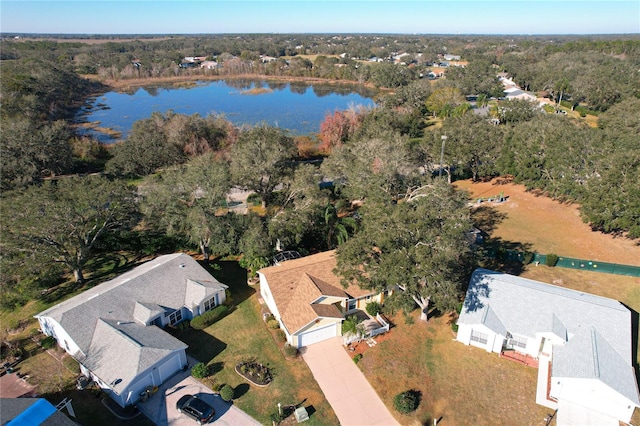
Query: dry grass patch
x=462, y=384
x=548, y=226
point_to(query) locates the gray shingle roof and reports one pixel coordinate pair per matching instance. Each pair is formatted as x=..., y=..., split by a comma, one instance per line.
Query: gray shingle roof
x=106, y=321
x=588, y=355
x=120, y=351
x=526, y=307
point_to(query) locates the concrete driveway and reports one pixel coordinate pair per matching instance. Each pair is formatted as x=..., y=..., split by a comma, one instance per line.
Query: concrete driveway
x=351, y=396
x=161, y=406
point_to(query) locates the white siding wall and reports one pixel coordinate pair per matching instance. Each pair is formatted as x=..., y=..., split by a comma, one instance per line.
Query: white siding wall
x=594, y=394
x=265, y=292
x=50, y=327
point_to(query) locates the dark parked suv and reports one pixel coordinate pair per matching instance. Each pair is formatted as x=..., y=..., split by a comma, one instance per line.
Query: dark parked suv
x=196, y=408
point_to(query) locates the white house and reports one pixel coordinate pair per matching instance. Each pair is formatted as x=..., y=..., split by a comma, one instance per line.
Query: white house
x=115, y=329
x=583, y=343
x=308, y=300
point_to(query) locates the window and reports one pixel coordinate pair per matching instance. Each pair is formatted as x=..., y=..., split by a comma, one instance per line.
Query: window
x=478, y=337
x=351, y=305
x=175, y=317
x=210, y=304
x=517, y=342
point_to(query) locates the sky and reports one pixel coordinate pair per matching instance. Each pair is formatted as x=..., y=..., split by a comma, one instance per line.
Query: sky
x=327, y=16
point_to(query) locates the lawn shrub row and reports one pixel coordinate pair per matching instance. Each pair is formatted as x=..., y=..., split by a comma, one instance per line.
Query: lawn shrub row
x=209, y=317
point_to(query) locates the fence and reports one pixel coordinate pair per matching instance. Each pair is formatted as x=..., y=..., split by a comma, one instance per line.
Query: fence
x=566, y=262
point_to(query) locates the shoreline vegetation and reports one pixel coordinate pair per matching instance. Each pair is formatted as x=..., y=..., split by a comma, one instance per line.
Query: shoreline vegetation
x=128, y=84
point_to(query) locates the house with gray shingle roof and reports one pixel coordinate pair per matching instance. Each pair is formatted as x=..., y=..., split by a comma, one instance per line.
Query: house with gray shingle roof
x=583, y=342
x=308, y=300
x=115, y=329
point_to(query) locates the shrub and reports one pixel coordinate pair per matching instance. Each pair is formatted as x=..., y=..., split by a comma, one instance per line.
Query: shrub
x=454, y=326
x=552, y=259
x=226, y=393
x=273, y=324
x=528, y=257
x=281, y=336
x=373, y=308
x=200, y=370
x=406, y=402
x=48, y=342
x=357, y=358
x=268, y=317
x=290, y=351
x=209, y=317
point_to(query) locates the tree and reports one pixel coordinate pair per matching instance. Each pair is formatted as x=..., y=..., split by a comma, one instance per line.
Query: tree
x=300, y=213
x=62, y=221
x=144, y=151
x=261, y=160
x=444, y=100
x=419, y=245
x=337, y=226
x=374, y=166
x=32, y=151
x=186, y=201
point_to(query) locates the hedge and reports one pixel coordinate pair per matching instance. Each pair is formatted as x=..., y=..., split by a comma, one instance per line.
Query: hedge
x=209, y=317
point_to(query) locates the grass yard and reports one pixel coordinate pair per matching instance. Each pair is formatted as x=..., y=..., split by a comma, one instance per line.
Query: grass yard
x=462, y=384
x=242, y=335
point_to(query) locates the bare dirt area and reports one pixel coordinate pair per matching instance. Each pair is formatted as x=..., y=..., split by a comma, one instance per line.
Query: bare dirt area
x=548, y=226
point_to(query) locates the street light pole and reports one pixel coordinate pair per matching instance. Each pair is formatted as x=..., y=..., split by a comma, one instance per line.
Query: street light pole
x=444, y=139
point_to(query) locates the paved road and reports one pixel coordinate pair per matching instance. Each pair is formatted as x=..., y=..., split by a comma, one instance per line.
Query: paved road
x=161, y=406
x=351, y=396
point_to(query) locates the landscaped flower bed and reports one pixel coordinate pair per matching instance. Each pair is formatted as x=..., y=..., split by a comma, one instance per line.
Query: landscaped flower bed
x=254, y=372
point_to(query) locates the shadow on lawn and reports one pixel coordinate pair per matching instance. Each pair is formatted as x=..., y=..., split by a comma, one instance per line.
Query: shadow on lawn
x=487, y=218
x=500, y=255
x=202, y=346
x=230, y=272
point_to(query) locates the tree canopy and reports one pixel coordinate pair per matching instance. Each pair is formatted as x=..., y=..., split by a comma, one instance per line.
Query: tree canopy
x=62, y=221
x=418, y=244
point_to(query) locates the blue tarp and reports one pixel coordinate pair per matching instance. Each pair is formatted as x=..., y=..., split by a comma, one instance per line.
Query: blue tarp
x=36, y=414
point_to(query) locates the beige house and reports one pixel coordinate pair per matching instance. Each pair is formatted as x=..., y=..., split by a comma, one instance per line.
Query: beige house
x=308, y=300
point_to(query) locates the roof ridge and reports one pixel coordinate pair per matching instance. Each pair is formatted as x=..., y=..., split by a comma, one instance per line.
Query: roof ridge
x=594, y=350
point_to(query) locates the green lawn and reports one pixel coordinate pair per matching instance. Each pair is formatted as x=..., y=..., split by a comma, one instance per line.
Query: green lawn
x=243, y=335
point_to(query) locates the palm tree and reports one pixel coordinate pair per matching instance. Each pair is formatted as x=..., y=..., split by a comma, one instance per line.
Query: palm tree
x=352, y=325
x=337, y=227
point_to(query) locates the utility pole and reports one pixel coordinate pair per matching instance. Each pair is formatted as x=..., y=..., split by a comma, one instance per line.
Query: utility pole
x=444, y=139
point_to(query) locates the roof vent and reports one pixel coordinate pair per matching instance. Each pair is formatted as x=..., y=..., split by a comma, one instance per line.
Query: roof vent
x=182, y=265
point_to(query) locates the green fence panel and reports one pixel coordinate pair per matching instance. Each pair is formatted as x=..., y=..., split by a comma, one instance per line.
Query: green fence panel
x=569, y=262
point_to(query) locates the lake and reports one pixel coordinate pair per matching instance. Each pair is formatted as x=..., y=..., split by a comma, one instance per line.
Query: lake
x=296, y=107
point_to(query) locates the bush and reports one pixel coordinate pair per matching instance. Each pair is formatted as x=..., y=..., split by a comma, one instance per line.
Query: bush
x=209, y=317
x=226, y=393
x=528, y=257
x=48, y=342
x=281, y=336
x=273, y=324
x=200, y=370
x=357, y=358
x=290, y=351
x=552, y=259
x=373, y=308
x=406, y=402
x=454, y=326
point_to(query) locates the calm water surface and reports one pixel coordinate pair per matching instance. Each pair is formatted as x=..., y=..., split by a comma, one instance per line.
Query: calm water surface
x=297, y=107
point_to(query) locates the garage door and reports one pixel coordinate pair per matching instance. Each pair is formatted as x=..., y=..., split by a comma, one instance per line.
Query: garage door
x=169, y=367
x=316, y=335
